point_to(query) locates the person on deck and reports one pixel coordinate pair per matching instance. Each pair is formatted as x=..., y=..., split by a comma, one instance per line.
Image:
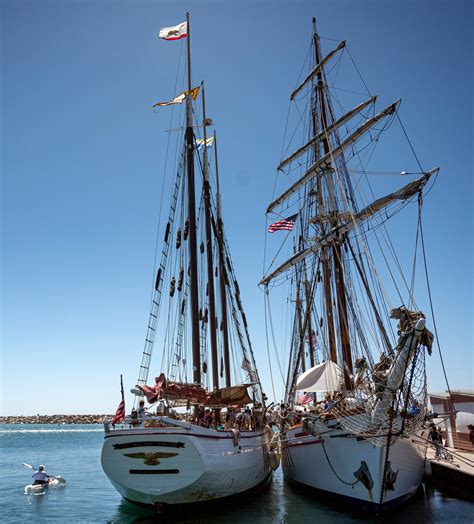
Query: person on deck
x=329, y=402
x=435, y=437
x=40, y=476
x=240, y=418
x=229, y=423
x=200, y=416
x=248, y=418
x=141, y=413
x=269, y=416
x=207, y=422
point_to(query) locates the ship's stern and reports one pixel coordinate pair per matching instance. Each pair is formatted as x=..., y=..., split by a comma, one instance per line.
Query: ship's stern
x=151, y=468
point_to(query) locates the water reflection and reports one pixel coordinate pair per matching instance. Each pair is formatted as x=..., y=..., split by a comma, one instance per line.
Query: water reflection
x=280, y=502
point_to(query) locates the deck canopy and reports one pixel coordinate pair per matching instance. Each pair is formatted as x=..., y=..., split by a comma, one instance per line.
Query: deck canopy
x=324, y=377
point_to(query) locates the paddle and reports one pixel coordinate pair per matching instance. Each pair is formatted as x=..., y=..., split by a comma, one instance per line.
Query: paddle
x=60, y=479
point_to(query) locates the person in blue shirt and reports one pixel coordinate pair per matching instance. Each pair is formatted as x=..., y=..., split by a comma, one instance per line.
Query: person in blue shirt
x=40, y=476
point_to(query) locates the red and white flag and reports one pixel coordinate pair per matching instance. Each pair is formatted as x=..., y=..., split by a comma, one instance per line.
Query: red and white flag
x=174, y=33
x=120, y=413
x=305, y=398
x=286, y=224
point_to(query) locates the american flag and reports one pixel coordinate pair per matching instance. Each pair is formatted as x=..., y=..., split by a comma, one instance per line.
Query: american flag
x=120, y=413
x=286, y=224
x=305, y=398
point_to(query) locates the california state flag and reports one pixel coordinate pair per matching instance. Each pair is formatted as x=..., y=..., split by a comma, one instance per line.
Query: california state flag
x=174, y=33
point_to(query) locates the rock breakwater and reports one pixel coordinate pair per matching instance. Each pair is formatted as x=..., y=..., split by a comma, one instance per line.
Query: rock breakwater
x=56, y=419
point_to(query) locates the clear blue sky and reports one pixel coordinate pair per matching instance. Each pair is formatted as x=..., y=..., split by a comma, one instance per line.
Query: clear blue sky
x=82, y=154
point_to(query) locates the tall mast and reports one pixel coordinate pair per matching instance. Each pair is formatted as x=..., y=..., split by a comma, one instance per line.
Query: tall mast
x=192, y=220
x=210, y=272
x=321, y=207
x=337, y=247
x=309, y=303
x=300, y=331
x=222, y=274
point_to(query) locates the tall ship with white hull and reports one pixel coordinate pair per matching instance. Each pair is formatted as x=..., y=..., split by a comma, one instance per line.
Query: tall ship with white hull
x=199, y=436
x=353, y=421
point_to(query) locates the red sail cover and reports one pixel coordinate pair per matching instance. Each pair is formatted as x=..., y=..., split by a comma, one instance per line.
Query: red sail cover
x=174, y=391
x=195, y=393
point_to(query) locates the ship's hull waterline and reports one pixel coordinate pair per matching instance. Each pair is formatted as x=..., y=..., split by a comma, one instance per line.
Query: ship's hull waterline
x=173, y=466
x=328, y=465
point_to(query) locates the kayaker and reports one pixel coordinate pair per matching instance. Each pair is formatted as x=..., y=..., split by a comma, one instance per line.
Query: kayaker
x=40, y=476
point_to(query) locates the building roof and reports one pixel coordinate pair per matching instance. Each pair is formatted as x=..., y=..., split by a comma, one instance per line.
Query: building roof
x=468, y=392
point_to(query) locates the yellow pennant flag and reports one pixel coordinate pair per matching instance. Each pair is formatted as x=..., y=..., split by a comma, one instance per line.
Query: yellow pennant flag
x=194, y=92
x=180, y=98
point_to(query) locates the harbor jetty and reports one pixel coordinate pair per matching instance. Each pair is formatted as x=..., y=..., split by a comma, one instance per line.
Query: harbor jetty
x=56, y=419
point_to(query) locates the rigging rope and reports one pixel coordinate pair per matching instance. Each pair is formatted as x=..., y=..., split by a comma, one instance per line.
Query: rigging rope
x=357, y=69
x=433, y=315
x=409, y=142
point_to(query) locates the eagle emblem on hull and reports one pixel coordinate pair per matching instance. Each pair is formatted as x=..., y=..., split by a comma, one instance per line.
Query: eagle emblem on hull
x=151, y=458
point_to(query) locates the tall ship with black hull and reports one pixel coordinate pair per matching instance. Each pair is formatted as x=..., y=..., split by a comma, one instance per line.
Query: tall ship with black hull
x=199, y=436
x=353, y=422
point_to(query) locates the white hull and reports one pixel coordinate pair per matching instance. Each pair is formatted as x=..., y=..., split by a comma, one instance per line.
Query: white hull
x=197, y=464
x=328, y=464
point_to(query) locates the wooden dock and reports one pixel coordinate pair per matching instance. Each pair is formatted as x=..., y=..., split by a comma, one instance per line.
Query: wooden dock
x=456, y=476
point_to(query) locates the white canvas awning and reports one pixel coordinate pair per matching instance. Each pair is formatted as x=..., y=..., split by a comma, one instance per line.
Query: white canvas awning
x=324, y=377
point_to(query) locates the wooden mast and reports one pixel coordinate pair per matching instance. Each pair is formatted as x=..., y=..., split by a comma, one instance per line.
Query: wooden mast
x=337, y=247
x=309, y=303
x=324, y=255
x=192, y=220
x=222, y=274
x=210, y=272
x=300, y=330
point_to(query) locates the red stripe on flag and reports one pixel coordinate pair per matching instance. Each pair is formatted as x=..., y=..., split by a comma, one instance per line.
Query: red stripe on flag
x=120, y=413
x=304, y=399
x=286, y=224
x=176, y=37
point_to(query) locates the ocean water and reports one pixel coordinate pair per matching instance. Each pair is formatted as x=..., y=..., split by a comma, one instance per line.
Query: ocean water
x=73, y=451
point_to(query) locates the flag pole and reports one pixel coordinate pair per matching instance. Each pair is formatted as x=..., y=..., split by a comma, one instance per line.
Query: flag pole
x=188, y=28
x=120, y=413
x=121, y=388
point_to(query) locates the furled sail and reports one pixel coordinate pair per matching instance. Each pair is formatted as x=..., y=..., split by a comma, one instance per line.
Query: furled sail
x=344, y=118
x=318, y=68
x=325, y=161
x=404, y=193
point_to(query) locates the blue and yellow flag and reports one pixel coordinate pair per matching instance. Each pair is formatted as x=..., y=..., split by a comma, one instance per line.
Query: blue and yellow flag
x=200, y=143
